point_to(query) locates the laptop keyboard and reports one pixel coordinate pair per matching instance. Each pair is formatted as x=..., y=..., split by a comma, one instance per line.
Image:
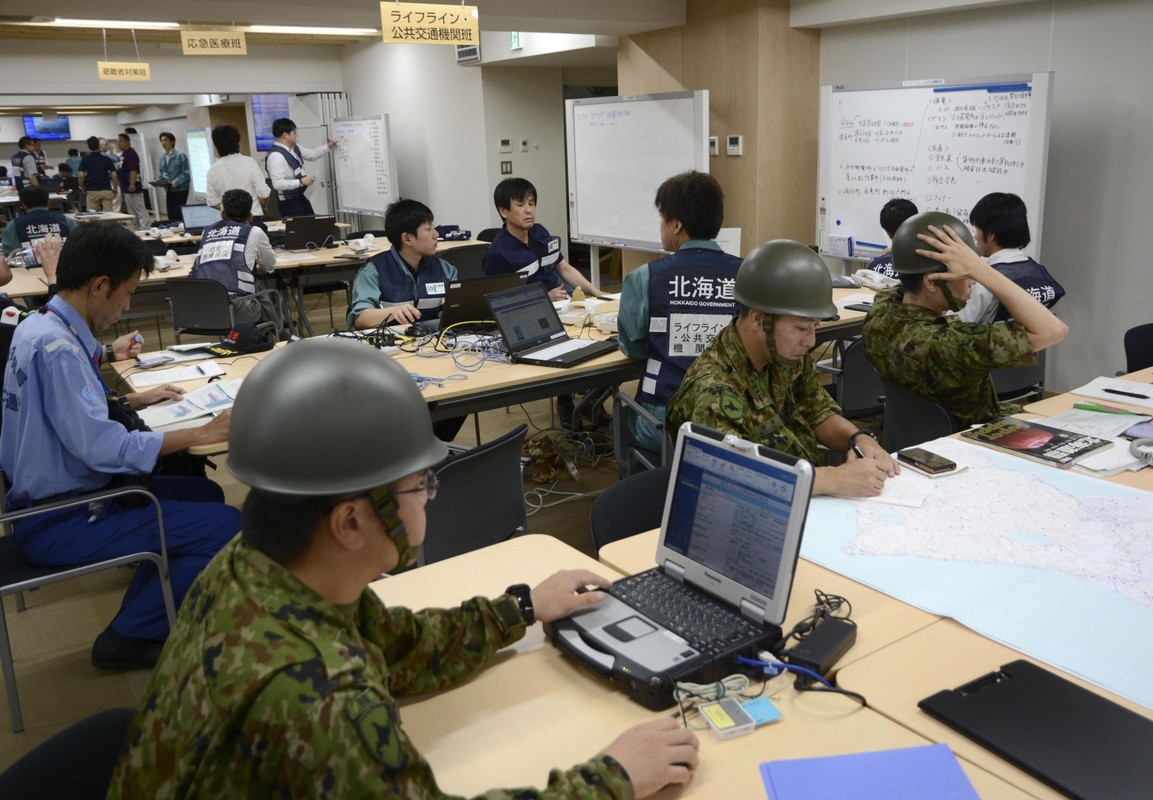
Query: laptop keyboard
x=560, y=348
x=704, y=624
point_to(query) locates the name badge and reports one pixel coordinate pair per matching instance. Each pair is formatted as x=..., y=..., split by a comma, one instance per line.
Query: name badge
x=434, y=288
x=554, y=244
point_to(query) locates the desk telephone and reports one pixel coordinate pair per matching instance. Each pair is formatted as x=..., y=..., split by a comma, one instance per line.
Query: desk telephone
x=368, y=242
x=874, y=280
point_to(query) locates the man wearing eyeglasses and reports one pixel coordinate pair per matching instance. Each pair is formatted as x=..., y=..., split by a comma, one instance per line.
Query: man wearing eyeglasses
x=283, y=675
x=757, y=381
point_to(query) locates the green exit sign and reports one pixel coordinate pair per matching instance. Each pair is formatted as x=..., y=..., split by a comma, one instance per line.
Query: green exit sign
x=516, y=40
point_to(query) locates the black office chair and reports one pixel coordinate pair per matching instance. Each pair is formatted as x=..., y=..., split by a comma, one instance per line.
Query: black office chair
x=76, y=763
x=488, y=234
x=912, y=418
x=633, y=506
x=1025, y=384
x=203, y=308
x=1139, y=347
x=856, y=385
x=467, y=260
x=480, y=500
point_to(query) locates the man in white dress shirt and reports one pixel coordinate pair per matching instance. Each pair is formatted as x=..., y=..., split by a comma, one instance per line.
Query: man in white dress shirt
x=285, y=165
x=233, y=170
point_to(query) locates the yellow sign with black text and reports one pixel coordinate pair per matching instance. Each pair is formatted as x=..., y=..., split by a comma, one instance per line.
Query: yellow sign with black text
x=124, y=71
x=213, y=43
x=421, y=23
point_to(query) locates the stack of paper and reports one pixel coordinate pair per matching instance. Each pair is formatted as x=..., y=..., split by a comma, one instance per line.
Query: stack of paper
x=1112, y=460
x=210, y=399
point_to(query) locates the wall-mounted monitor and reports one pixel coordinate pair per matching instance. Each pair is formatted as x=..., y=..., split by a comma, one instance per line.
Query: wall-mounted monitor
x=40, y=128
x=267, y=108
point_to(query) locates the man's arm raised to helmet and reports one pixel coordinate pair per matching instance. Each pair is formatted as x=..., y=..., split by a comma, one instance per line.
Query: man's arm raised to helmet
x=1041, y=325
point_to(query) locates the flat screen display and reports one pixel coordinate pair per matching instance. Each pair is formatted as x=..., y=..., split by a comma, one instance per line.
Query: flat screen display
x=40, y=128
x=267, y=108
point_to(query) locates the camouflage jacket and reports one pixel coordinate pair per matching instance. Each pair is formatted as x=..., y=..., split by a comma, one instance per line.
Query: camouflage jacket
x=267, y=690
x=779, y=407
x=943, y=358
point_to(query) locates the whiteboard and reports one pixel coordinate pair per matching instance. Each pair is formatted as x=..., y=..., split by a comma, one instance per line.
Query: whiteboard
x=199, y=157
x=942, y=144
x=620, y=150
x=365, y=166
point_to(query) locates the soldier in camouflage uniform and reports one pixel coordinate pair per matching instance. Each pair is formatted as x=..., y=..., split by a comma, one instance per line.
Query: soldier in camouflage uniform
x=283, y=673
x=757, y=381
x=912, y=343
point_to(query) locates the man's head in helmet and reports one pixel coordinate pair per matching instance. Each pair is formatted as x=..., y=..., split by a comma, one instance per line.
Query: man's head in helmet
x=336, y=442
x=918, y=254
x=783, y=290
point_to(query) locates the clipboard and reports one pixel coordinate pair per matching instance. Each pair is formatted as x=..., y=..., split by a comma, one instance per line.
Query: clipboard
x=1079, y=742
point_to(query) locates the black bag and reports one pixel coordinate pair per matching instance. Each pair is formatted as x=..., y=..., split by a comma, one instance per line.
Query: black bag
x=181, y=464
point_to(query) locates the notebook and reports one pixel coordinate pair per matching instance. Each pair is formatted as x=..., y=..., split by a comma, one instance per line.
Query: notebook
x=309, y=233
x=1080, y=743
x=464, y=302
x=730, y=537
x=197, y=218
x=533, y=332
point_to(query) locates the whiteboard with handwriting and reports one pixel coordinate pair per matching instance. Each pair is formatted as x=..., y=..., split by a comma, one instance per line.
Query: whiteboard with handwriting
x=942, y=144
x=620, y=150
x=365, y=167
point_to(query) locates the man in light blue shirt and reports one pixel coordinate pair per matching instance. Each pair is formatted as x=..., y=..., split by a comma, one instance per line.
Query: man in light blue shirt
x=60, y=440
x=672, y=308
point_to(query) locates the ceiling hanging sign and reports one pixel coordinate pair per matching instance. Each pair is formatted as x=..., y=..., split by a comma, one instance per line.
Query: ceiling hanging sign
x=213, y=43
x=124, y=71
x=421, y=23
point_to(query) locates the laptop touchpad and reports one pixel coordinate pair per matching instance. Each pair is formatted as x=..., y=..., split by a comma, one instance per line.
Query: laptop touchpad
x=628, y=629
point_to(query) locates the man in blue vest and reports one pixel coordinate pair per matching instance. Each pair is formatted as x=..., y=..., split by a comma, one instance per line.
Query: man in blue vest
x=1001, y=229
x=231, y=251
x=24, y=164
x=35, y=223
x=672, y=308
x=893, y=213
x=285, y=165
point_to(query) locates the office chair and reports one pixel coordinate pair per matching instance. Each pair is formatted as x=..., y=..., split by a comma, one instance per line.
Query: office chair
x=488, y=234
x=76, y=763
x=629, y=454
x=480, y=500
x=856, y=385
x=1139, y=347
x=912, y=418
x=1021, y=383
x=633, y=506
x=467, y=260
x=203, y=308
x=18, y=576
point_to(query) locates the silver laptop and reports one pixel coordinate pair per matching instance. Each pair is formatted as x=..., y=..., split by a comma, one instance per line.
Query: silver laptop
x=533, y=332
x=197, y=218
x=730, y=538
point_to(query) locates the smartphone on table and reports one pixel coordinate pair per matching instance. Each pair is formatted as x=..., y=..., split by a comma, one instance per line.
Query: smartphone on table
x=924, y=461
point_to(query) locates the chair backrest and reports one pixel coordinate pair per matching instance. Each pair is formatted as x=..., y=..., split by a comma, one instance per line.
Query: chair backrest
x=488, y=234
x=467, y=259
x=480, y=500
x=633, y=506
x=858, y=385
x=912, y=418
x=199, y=304
x=78, y=762
x=1018, y=382
x=1139, y=347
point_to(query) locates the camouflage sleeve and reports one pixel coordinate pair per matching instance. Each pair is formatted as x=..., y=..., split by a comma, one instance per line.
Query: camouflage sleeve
x=986, y=347
x=706, y=401
x=816, y=403
x=435, y=648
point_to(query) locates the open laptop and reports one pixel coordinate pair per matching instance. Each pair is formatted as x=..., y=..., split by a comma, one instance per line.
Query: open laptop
x=197, y=218
x=533, y=332
x=464, y=302
x=730, y=539
x=309, y=232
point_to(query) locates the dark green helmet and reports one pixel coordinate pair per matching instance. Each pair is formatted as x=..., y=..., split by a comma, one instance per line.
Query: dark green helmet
x=905, y=242
x=785, y=277
x=329, y=416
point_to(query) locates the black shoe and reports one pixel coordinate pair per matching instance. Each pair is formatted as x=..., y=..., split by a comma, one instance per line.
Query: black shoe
x=114, y=651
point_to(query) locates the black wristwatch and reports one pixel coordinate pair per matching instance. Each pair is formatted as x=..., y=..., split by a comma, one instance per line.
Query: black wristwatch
x=862, y=432
x=109, y=354
x=523, y=596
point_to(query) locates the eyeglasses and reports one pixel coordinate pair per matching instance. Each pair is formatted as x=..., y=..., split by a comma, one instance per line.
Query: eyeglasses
x=428, y=483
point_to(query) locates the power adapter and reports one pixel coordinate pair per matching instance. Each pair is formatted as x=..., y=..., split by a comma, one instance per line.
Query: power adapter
x=824, y=646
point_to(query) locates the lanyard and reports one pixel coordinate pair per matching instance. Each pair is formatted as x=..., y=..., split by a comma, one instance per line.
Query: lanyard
x=94, y=358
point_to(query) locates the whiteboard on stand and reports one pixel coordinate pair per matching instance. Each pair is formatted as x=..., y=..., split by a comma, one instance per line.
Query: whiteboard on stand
x=364, y=164
x=944, y=144
x=620, y=150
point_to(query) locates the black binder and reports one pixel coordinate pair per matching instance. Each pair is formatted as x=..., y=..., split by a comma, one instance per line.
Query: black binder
x=1078, y=742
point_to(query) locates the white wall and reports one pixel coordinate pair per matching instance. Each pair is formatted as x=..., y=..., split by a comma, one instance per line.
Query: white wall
x=1100, y=184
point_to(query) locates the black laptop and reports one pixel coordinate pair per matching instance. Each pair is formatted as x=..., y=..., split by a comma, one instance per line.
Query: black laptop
x=464, y=303
x=197, y=218
x=533, y=332
x=310, y=232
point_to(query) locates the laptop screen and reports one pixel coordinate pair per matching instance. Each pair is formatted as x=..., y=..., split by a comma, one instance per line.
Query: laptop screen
x=734, y=517
x=309, y=233
x=526, y=316
x=199, y=217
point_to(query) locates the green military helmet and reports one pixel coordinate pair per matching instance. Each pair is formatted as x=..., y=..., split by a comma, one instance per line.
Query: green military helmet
x=905, y=242
x=329, y=416
x=785, y=277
